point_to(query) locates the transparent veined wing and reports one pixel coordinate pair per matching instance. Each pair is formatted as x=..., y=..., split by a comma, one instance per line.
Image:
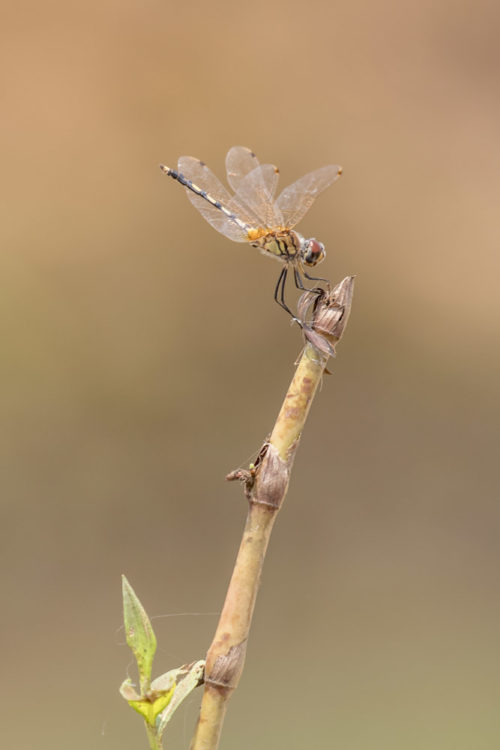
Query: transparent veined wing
x=296, y=199
x=202, y=177
x=256, y=194
x=239, y=162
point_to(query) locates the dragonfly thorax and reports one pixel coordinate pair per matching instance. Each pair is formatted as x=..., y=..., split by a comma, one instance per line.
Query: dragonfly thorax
x=287, y=245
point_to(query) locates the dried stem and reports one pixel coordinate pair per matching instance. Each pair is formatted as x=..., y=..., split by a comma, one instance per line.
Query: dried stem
x=266, y=490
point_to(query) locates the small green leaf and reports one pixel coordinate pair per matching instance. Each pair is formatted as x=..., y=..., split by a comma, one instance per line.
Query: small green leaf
x=139, y=633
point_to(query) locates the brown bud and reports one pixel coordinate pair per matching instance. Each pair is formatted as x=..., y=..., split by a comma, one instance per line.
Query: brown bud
x=329, y=314
x=331, y=311
x=272, y=480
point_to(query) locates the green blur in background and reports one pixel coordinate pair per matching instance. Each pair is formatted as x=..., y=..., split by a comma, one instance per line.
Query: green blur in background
x=144, y=358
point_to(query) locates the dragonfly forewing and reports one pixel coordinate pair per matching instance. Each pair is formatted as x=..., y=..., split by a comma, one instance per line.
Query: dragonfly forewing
x=256, y=193
x=240, y=160
x=296, y=199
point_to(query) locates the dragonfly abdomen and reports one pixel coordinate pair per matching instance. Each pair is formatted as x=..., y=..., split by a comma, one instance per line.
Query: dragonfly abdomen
x=190, y=185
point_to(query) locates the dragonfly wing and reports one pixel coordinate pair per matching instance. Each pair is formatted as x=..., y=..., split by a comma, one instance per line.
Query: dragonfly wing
x=256, y=195
x=297, y=198
x=204, y=179
x=239, y=162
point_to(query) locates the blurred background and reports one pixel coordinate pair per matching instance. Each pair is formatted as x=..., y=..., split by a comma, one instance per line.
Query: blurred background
x=143, y=358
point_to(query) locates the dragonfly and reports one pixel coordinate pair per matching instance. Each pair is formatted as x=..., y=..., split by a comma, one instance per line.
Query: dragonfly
x=252, y=214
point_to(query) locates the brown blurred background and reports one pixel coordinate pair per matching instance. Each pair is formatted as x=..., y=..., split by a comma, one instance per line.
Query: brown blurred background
x=144, y=357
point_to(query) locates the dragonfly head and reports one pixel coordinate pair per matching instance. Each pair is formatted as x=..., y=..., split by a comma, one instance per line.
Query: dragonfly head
x=313, y=252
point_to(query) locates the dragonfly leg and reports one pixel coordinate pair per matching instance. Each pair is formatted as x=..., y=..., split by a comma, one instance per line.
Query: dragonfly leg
x=314, y=278
x=299, y=283
x=279, y=292
x=298, y=280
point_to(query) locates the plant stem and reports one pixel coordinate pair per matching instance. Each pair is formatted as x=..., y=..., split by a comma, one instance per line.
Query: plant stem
x=226, y=656
x=154, y=740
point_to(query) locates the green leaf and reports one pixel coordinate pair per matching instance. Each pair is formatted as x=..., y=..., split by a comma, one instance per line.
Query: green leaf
x=139, y=633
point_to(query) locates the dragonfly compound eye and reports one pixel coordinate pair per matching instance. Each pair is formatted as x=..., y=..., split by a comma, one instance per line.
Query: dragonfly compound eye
x=314, y=252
